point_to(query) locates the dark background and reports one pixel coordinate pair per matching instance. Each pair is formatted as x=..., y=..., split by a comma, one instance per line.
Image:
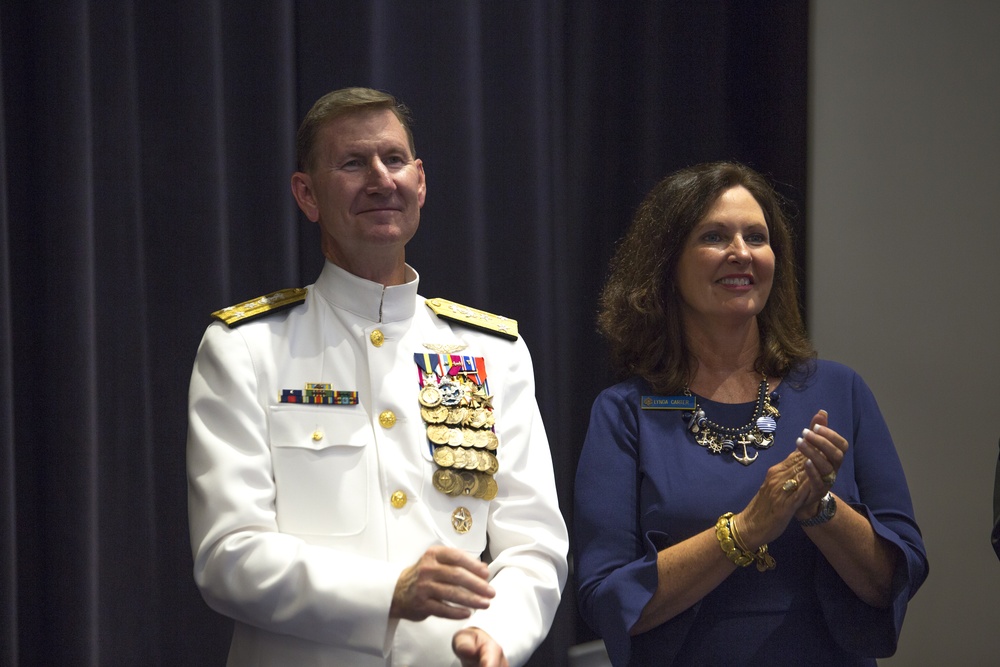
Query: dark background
x=144, y=162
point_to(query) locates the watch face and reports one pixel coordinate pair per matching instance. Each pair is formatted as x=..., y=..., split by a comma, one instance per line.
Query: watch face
x=827, y=509
x=828, y=506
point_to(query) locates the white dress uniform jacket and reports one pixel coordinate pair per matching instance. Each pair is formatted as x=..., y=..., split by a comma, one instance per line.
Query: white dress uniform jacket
x=293, y=528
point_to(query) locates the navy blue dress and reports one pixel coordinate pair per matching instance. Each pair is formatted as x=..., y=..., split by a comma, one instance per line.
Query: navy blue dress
x=643, y=484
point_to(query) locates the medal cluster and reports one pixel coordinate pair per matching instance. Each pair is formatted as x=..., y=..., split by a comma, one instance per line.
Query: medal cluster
x=458, y=414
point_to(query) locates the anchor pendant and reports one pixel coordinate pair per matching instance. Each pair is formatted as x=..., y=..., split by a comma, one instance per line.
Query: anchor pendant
x=745, y=459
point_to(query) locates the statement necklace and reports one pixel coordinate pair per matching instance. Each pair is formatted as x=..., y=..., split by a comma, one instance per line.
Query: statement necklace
x=757, y=434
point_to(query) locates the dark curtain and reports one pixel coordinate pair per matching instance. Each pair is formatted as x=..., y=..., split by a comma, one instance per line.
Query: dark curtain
x=144, y=161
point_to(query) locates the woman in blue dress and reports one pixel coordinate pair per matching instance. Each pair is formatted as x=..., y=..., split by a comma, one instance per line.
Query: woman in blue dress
x=738, y=501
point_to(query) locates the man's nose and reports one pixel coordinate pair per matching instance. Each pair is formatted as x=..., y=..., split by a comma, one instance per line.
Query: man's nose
x=378, y=176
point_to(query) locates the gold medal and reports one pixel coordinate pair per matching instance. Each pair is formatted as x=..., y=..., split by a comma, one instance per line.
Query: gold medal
x=492, y=464
x=444, y=457
x=490, y=492
x=435, y=415
x=438, y=434
x=471, y=460
x=456, y=416
x=470, y=483
x=481, y=399
x=430, y=396
x=492, y=442
x=455, y=437
x=477, y=419
x=447, y=481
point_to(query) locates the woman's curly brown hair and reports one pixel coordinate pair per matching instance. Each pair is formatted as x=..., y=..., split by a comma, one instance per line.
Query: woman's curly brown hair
x=639, y=306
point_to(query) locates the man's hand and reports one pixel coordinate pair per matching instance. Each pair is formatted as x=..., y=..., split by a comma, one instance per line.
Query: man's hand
x=475, y=648
x=445, y=582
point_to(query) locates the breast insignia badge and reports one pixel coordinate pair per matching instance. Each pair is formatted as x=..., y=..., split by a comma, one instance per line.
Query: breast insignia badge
x=461, y=520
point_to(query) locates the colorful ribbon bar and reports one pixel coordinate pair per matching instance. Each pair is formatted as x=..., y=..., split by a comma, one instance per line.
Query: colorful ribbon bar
x=319, y=393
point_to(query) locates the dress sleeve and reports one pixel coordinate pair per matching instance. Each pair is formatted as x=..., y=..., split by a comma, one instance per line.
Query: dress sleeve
x=615, y=562
x=884, y=499
x=244, y=566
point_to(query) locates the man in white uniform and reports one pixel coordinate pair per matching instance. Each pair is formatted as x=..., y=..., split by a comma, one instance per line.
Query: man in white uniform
x=369, y=478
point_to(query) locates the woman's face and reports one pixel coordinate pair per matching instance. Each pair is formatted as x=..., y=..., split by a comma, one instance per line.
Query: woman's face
x=726, y=266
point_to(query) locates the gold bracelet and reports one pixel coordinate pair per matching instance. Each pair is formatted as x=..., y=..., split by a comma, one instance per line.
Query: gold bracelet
x=736, y=550
x=728, y=544
x=736, y=535
x=763, y=559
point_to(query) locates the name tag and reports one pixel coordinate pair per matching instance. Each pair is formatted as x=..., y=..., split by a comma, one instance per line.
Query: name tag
x=668, y=402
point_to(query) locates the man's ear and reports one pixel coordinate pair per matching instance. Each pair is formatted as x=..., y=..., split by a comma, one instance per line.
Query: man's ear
x=302, y=190
x=422, y=187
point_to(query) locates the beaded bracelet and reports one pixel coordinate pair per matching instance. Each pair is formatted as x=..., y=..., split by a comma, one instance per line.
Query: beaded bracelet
x=735, y=550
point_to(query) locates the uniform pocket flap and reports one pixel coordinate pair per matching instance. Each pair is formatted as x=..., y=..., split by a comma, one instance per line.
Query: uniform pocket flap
x=316, y=428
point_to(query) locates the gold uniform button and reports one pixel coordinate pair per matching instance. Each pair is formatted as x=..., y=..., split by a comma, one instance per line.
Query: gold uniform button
x=398, y=499
x=387, y=419
x=377, y=338
x=317, y=435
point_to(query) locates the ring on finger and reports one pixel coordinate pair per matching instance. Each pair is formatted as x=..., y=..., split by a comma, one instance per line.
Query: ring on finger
x=829, y=478
x=790, y=485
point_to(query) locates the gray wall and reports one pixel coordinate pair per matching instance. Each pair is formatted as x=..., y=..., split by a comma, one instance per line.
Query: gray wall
x=904, y=252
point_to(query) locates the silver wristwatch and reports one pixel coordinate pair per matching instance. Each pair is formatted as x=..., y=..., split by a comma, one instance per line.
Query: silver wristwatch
x=827, y=508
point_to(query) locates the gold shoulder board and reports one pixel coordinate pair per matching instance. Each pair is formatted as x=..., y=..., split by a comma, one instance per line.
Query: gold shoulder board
x=269, y=303
x=495, y=324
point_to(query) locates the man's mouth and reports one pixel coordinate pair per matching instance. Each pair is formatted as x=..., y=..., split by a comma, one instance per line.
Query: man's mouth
x=379, y=209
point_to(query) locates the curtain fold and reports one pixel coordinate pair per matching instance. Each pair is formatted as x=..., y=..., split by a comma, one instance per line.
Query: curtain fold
x=145, y=154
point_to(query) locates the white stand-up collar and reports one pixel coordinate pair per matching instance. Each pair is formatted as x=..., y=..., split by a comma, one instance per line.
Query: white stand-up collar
x=366, y=299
